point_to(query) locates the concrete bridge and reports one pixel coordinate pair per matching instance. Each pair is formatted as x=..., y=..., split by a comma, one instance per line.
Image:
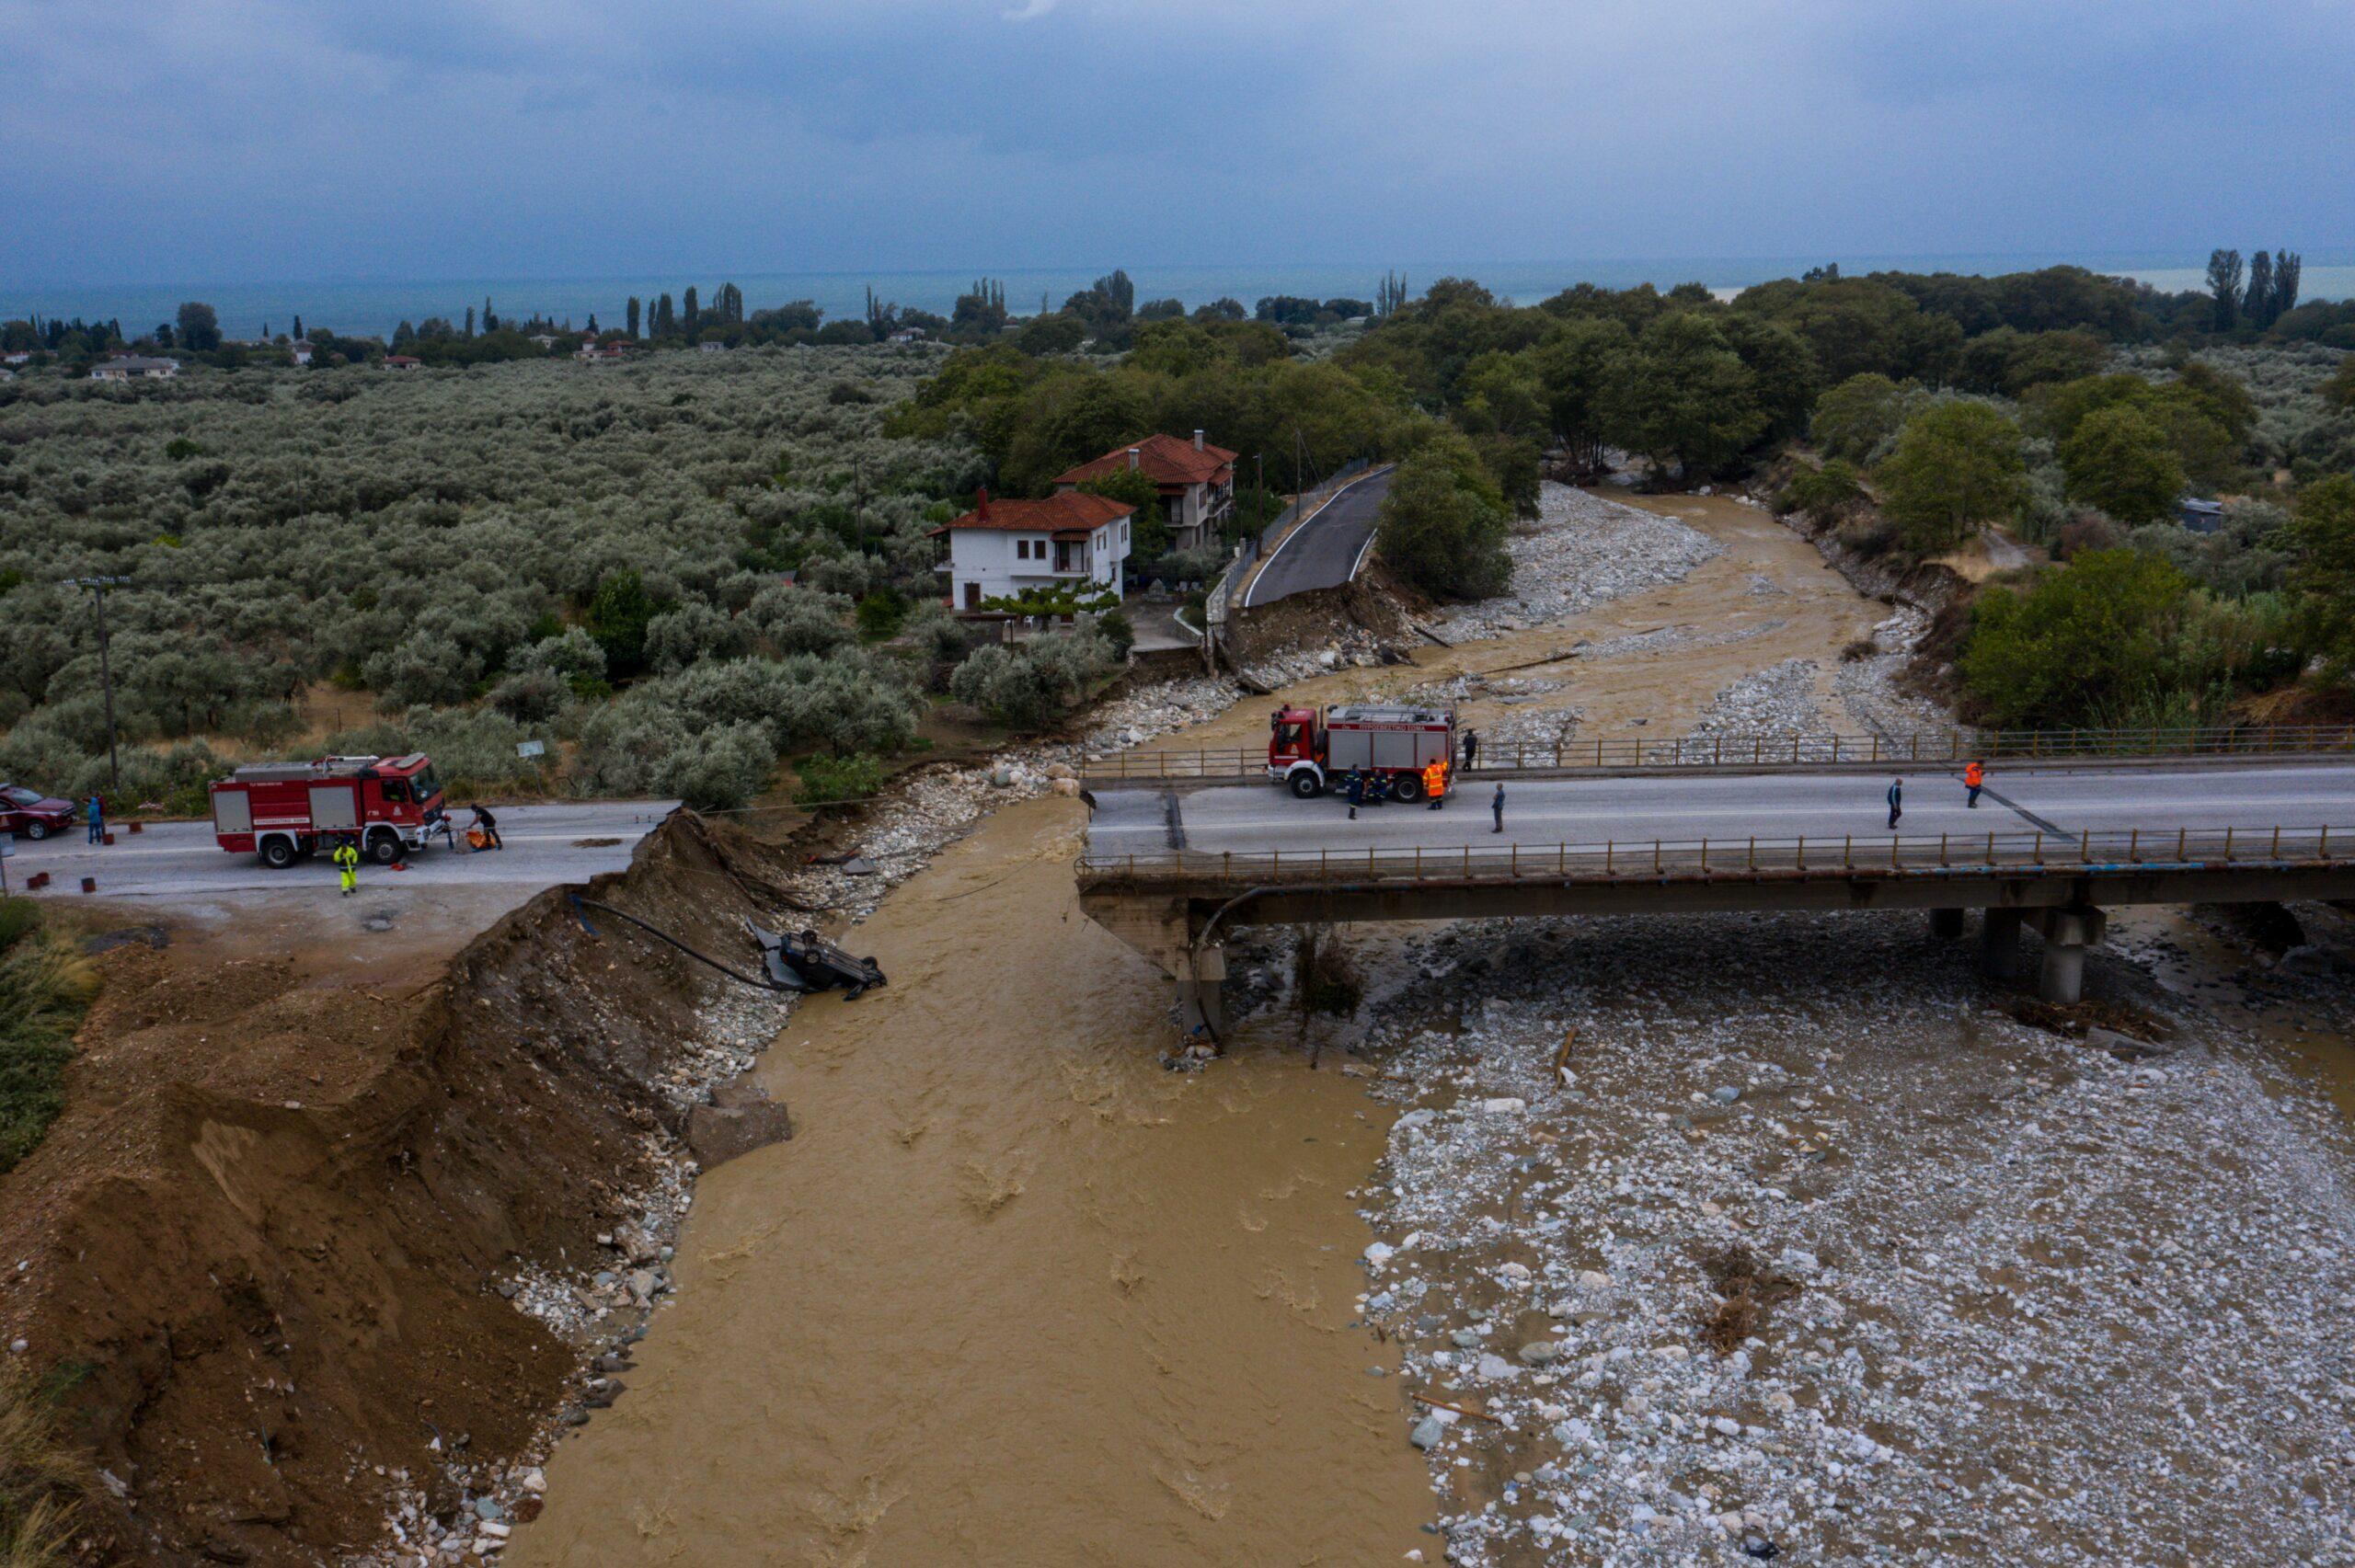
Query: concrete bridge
x=1172, y=864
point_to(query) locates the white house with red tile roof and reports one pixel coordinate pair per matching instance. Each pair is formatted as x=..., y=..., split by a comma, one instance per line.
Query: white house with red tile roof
x=1002, y=549
x=1196, y=481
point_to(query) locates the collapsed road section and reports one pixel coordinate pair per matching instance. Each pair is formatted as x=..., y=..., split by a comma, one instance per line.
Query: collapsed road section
x=304, y=1254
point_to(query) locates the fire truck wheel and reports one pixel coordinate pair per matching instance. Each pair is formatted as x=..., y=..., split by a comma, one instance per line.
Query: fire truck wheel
x=1406, y=786
x=1303, y=782
x=277, y=854
x=383, y=848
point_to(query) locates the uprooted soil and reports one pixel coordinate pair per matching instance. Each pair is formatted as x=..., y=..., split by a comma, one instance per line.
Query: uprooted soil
x=257, y=1249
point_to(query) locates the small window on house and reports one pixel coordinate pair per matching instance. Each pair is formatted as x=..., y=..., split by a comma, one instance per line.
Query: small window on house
x=1022, y=549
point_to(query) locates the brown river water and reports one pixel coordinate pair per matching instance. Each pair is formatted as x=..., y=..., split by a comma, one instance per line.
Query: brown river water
x=1012, y=1293
x=1015, y=1294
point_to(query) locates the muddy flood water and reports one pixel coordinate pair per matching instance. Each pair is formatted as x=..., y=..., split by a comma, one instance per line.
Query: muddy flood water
x=1014, y=1293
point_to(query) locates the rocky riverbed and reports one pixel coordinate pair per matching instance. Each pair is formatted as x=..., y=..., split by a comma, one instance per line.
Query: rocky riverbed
x=1818, y=1252
x=1583, y=551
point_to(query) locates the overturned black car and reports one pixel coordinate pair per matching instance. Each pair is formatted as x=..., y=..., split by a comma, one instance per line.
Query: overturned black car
x=809, y=963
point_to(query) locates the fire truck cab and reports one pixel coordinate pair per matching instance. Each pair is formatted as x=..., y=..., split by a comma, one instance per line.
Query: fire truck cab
x=1391, y=744
x=284, y=811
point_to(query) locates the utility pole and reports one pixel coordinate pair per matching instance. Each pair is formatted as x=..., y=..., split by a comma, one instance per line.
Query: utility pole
x=98, y=587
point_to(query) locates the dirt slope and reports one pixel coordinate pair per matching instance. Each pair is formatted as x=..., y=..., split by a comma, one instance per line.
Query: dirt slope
x=260, y=1248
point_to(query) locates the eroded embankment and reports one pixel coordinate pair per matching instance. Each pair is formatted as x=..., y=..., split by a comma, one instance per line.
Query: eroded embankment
x=263, y=1251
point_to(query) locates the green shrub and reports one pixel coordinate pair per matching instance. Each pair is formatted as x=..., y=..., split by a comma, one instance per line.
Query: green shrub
x=422, y=667
x=1029, y=685
x=572, y=656
x=799, y=620
x=823, y=778
x=1118, y=632
x=616, y=616
x=720, y=769
x=881, y=612
x=2086, y=644
x=691, y=634
x=1825, y=493
x=45, y=987
x=1443, y=526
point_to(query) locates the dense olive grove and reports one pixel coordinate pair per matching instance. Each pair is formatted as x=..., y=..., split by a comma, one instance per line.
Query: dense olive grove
x=533, y=534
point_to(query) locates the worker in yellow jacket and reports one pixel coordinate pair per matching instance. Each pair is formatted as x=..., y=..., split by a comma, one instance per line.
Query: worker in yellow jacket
x=1435, y=783
x=347, y=865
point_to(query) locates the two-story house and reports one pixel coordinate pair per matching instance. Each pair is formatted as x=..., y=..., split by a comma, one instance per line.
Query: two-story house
x=1004, y=549
x=1196, y=482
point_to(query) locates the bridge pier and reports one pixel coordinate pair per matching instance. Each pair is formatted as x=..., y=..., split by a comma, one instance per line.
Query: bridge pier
x=2067, y=933
x=1946, y=925
x=1999, y=944
x=1200, y=999
x=1165, y=930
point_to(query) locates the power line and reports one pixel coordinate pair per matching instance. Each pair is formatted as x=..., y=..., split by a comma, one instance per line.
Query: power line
x=98, y=586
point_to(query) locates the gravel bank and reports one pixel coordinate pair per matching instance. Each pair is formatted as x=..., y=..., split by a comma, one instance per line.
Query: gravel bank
x=1778, y=699
x=1867, y=687
x=2021, y=1300
x=1583, y=551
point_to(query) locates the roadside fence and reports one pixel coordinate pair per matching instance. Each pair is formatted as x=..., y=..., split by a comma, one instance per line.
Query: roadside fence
x=1849, y=855
x=1941, y=748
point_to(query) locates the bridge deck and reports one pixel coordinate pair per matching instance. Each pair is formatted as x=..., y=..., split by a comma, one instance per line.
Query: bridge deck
x=1616, y=826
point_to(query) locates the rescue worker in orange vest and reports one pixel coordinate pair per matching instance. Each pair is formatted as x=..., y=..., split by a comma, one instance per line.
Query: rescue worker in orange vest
x=1975, y=779
x=1435, y=783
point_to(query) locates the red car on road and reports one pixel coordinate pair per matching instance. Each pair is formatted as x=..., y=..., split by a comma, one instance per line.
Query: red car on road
x=29, y=814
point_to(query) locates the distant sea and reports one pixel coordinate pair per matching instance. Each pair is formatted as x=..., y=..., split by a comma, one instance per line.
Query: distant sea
x=375, y=308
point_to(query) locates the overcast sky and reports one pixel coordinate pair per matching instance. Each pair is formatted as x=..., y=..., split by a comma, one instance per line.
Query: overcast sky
x=241, y=140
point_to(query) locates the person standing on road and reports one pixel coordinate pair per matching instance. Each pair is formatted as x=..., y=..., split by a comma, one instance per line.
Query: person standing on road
x=1471, y=750
x=347, y=865
x=489, y=826
x=1496, y=809
x=1975, y=779
x=97, y=819
x=1896, y=802
x=1353, y=786
x=1435, y=783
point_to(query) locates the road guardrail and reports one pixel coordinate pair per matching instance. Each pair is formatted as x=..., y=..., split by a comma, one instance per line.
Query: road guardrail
x=1847, y=855
x=1954, y=747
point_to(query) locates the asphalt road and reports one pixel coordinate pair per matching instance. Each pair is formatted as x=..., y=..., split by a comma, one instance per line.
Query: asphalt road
x=1258, y=817
x=546, y=845
x=1325, y=551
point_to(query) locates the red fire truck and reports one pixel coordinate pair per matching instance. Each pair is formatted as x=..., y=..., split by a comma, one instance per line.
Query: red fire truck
x=1310, y=748
x=283, y=810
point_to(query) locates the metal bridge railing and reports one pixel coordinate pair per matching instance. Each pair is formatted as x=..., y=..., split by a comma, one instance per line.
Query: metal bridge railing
x=2177, y=848
x=1953, y=747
